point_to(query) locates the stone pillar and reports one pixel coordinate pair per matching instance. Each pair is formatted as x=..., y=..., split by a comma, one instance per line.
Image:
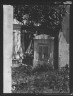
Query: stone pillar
x=7, y=46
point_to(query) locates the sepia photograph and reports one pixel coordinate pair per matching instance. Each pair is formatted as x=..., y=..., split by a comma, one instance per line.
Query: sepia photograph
x=36, y=46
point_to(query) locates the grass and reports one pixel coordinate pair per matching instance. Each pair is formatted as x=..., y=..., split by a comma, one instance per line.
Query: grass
x=26, y=80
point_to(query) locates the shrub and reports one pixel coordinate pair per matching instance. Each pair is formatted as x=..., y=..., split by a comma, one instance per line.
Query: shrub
x=55, y=80
x=42, y=68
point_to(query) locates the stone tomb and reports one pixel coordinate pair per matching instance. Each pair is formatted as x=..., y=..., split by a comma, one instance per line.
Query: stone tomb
x=43, y=49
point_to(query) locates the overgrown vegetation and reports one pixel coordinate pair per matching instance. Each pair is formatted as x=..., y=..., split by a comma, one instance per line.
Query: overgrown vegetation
x=50, y=81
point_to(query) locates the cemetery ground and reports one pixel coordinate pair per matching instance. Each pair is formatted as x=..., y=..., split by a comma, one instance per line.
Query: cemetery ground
x=42, y=79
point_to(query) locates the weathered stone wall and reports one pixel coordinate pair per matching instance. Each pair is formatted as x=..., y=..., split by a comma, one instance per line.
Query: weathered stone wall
x=63, y=51
x=17, y=49
x=64, y=40
x=66, y=24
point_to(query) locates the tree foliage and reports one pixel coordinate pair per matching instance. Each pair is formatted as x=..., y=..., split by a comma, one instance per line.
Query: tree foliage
x=39, y=19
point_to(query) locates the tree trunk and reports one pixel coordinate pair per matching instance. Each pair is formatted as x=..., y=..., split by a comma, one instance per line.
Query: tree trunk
x=56, y=52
